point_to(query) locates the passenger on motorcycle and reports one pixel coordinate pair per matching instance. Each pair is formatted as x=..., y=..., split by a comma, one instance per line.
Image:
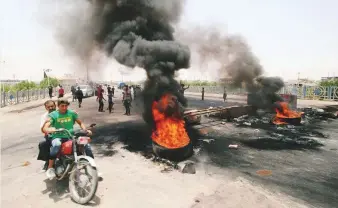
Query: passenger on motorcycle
x=62, y=118
x=44, y=146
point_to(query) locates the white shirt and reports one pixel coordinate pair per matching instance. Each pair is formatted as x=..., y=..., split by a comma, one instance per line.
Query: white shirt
x=44, y=118
x=132, y=91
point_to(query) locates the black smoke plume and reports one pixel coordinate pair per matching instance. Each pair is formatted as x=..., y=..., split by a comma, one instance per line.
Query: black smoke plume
x=238, y=63
x=244, y=69
x=140, y=33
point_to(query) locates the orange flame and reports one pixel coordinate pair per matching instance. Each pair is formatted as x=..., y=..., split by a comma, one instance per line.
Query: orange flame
x=285, y=112
x=170, y=130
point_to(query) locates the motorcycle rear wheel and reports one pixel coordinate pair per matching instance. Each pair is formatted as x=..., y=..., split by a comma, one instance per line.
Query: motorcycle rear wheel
x=74, y=187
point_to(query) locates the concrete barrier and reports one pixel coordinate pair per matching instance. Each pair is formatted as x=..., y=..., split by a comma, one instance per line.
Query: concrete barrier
x=224, y=113
x=235, y=111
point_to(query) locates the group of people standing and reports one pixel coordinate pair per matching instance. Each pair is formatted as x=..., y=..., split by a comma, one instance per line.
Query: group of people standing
x=100, y=98
x=61, y=91
x=127, y=98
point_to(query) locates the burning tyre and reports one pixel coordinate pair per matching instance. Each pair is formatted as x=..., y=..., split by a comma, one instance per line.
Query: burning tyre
x=284, y=115
x=170, y=138
x=173, y=154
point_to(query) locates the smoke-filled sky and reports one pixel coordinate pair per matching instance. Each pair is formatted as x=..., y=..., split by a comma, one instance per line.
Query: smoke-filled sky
x=287, y=36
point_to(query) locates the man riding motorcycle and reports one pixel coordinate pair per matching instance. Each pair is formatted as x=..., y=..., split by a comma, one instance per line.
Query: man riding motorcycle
x=62, y=118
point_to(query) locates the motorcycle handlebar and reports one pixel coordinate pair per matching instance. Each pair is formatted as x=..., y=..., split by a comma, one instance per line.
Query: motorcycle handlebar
x=65, y=130
x=60, y=130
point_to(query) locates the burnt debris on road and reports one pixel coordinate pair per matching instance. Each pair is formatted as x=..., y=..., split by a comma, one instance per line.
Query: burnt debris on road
x=288, y=151
x=301, y=157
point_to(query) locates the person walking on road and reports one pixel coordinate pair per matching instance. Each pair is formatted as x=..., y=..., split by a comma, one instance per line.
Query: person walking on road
x=100, y=98
x=109, y=89
x=127, y=99
x=79, y=96
x=131, y=88
x=73, y=89
x=61, y=92
x=110, y=102
x=225, y=94
x=183, y=88
x=50, y=91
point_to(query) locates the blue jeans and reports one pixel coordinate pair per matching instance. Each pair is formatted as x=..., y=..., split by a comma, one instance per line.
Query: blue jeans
x=56, y=145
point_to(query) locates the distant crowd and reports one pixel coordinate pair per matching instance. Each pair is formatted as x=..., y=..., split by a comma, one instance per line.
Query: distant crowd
x=128, y=95
x=60, y=90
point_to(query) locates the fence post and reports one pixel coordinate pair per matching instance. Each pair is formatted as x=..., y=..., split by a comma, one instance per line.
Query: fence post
x=329, y=93
x=28, y=97
x=5, y=102
x=17, y=97
x=304, y=92
x=1, y=99
x=202, y=93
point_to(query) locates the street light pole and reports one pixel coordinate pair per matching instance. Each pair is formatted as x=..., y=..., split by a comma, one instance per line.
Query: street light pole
x=47, y=70
x=2, y=88
x=87, y=74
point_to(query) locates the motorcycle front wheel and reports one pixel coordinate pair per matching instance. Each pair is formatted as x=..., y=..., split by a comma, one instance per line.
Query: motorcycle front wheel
x=83, y=182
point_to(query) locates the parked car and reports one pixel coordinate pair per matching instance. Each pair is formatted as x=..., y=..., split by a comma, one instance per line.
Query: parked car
x=87, y=90
x=121, y=85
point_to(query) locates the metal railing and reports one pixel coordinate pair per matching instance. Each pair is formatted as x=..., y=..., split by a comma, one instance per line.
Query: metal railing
x=12, y=98
x=303, y=92
x=312, y=92
x=215, y=90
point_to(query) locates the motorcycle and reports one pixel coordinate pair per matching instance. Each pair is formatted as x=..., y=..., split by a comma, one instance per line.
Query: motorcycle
x=72, y=162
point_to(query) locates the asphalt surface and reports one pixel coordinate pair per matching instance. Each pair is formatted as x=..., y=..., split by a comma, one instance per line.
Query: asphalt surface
x=302, y=160
x=308, y=173
x=303, y=166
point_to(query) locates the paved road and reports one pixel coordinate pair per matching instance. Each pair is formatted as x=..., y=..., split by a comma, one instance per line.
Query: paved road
x=128, y=177
x=302, y=159
x=132, y=181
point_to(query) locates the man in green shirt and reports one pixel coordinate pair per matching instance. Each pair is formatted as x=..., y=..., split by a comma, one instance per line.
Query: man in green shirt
x=62, y=118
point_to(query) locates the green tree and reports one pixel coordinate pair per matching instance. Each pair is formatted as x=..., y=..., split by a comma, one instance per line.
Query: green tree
x=25, y=85
x=329, y=83
x=52, y=81
x=8, y=88
x=199, y=83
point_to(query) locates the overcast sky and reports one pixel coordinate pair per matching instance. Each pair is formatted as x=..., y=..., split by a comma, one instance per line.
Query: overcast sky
x=287, y=36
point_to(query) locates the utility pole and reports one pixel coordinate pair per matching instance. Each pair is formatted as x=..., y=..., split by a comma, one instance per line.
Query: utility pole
x=47, y=70
x=2, y=69
x=87, y=74
x=2, y=57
